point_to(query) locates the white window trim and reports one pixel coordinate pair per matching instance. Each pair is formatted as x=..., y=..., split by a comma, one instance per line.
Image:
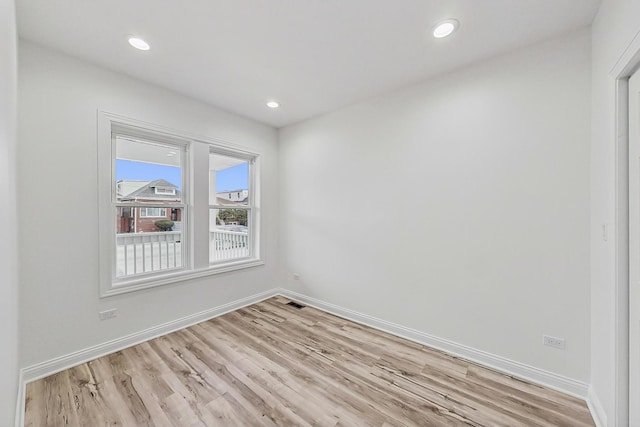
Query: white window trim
x=196, y=205
x=152, y=216
x=253, y=203
x=165, y=191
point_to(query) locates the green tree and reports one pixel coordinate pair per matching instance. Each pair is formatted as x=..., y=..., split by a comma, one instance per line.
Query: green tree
x=164, y=224
x=233, y=215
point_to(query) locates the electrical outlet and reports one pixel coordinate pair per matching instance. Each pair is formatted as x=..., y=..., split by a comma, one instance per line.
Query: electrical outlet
x=296, y=276
x=553, y=342
x=108, y=314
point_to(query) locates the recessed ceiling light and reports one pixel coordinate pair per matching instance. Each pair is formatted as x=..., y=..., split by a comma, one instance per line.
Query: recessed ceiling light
x=139, y=43
x=273, y=104
x=445, y=28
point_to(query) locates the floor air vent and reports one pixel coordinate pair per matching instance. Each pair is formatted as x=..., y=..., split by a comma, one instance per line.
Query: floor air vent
x=295, y=304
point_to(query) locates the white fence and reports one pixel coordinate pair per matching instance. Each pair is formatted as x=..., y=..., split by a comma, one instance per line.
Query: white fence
x=146, y=252
x=225, y=245
x=138, y=253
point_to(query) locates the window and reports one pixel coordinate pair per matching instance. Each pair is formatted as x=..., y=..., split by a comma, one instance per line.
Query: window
x=167, y=191
x=144, y=245
x=153, y=212
x=153, y=230
x=231, y=218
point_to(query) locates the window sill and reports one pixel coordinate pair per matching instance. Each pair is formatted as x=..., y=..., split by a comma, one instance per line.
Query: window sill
x=180, y=276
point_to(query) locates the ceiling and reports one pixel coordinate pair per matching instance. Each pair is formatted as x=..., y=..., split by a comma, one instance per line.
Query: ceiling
x=138, y=150
x=313, y=56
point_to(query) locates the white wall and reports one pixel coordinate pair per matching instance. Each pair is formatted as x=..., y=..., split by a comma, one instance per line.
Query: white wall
x=613, y=29
x=58, y=100
x=8, y=218
x=459, y=207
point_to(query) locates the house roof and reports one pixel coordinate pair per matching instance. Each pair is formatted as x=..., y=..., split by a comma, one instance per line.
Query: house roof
x=148, y=192
x=227, y=202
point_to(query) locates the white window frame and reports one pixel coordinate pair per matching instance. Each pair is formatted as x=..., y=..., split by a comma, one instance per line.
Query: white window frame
x=165, y=191
x=152, y=216
x=250, y=207
x=195, y=205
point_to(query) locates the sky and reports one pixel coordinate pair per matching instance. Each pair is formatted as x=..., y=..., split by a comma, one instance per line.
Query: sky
x=233, y=178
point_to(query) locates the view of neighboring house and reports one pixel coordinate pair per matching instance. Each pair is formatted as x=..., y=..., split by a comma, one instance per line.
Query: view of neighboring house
x=235, y=196
x=142, y=219
x=231, y=219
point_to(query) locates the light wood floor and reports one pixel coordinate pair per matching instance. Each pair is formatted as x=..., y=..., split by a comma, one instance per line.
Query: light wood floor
x=272, y=364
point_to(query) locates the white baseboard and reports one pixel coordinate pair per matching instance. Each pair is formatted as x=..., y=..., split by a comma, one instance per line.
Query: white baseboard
x=510, y=367
x=20, y=403
x=504, y=365
x=596, y=409
x=58, y=364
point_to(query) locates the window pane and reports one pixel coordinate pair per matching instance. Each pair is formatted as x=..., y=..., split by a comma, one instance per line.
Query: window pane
x=153, y=212
x=229, y=234
x=147, y=172
x=146, y=244
x=228, y=180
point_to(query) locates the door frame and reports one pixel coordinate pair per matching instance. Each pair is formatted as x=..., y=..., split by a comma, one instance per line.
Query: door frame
x=626, y=65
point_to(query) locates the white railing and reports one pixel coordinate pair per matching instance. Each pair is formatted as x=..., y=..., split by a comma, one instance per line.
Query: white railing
x=138, y=253
x=225, y=245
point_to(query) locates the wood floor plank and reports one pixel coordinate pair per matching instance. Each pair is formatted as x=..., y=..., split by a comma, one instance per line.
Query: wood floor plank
x=267, y=383
x=271, y=364
x=305, y=371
